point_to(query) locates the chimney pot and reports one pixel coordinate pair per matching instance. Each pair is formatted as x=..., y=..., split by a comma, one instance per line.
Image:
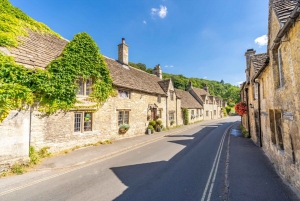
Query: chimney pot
x=123, y=40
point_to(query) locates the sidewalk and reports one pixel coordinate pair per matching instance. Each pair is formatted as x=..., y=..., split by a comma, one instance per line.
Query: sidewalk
x=251, y=174
x=87, y=155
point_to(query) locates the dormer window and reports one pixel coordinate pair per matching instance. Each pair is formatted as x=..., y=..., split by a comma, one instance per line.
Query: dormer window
x=85, y=86
x=206, y=101
x=124, y=94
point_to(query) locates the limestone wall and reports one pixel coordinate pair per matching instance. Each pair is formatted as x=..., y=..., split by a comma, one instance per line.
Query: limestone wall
x=14, y=139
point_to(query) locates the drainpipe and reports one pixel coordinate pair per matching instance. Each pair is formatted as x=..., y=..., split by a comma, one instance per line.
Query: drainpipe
x=248, y=116
x=167, y=125
x=259, y=113
x=176, y=113
x=30, y=122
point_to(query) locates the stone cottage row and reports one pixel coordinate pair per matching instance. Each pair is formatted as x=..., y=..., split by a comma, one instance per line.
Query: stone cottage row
x=141, y=97
x=271, y=91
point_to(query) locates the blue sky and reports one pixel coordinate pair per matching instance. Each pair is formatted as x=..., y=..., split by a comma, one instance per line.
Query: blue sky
x=196, y=38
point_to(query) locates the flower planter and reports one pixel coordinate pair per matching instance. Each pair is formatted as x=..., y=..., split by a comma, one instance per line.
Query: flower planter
x=123, y=131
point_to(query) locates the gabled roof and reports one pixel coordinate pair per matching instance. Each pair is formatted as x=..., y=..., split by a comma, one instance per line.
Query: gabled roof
x=37, y=50
x=201, y=93
x=187, y=100
x=164, y=84
x=283, y=9
x=211, y=99
x=259, y=61
x=132, y=78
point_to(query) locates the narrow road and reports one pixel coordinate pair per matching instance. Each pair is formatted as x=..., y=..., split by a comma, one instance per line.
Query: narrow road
x=187, y=166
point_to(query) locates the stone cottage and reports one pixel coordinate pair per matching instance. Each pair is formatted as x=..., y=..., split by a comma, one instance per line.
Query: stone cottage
x=140, y=97
x=195, y=109
x=211, y=108
x=276, y=89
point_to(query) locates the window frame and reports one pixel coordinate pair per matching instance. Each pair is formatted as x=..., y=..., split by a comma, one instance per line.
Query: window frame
x=82, y=86
x=123, y=116
x=82, y=122
x=171, y=95
x=121, y=91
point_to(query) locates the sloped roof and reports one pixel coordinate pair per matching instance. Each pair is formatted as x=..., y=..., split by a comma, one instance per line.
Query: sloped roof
x=201, y=93
x=283, y=9
x=132, y=78
x=187, y=100
x=211, y=99
x=37, y=50
x=165, y=84
x=259, y=61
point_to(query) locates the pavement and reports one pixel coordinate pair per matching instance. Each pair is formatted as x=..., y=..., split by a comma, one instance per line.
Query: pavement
x=251, y=175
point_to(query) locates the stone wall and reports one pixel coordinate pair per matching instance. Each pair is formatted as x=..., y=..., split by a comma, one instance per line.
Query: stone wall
x=57, y=131
x=14, y=135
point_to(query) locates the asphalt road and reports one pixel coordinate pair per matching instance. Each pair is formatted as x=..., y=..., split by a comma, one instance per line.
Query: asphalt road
x=187, y=166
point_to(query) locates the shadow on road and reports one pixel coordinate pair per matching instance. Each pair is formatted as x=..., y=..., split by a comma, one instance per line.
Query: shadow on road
x=169, y=180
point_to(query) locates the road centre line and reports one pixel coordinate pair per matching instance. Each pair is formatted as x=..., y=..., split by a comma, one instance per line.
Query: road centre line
x=214, y=168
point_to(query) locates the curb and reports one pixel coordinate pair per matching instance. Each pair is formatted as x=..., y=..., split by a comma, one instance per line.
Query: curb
x=121, y=151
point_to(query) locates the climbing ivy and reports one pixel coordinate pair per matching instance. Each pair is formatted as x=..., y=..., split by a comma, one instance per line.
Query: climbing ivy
x=15, y=23
x=185, y=116
x=55, y=88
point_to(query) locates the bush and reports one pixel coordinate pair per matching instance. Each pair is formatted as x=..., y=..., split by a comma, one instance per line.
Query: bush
x=152, y=123
x=185, y=116
x=158, y=122
x=245, y=132
x=224, y=111
x=228, y=109
x=151, y=127
x=17, y=169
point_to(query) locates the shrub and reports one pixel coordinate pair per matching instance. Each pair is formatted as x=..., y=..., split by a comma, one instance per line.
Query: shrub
x=124, y=126
x=185, y=116
x=151, y=127
x=152, y=123
x=17, y=169
x=158, y=122
x=228, y=109
x=245, y=132
x=224, y=111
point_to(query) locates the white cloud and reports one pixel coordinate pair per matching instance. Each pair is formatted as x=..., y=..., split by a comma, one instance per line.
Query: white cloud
x=160, y=12
x=144, y=22
x=261, y=41
x=171, y=66
x=204, y=77
x=240, y=82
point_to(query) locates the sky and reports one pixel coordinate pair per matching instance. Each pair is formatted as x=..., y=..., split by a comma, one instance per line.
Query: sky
x=195, y=38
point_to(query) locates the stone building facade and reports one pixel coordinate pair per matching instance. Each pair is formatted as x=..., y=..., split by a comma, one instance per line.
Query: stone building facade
x=277, y=91
x=211, y=107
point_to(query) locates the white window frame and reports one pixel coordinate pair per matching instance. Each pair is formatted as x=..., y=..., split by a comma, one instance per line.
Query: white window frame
x=124, y=94
x=123, y=120
x=84, y=88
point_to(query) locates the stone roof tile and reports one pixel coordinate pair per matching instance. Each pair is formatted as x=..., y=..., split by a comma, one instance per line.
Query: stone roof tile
x=283, y=9
x=187, y=100
x=259, y=61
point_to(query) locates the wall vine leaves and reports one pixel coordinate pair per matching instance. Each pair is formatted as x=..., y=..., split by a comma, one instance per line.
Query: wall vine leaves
x=55, y=87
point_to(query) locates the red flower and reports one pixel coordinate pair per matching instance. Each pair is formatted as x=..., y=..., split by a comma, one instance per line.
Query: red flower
x=241, y=108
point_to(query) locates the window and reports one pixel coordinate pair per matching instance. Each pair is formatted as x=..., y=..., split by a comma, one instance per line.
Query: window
x=192, y=114
x=272, y=126
x=123, y=94
x=172, y=95
x=279, y=129
x=159, y=113
x=85, y=86
x=207, y=113
x=280, y=70
x=206, y=101
x=159, y=98
x=201, y=111
x=123, y=117
x=171, y=116
x=82, y=121
x=255, y=91
x=198, y=112
x=215, y=112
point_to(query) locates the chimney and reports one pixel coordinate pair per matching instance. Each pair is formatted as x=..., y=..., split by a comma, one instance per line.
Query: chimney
x=190, y=85
x=123, y=52
x=205, y=88
x=248, y=55
x=157, y=71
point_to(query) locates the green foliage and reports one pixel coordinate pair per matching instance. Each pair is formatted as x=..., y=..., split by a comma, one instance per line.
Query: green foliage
x=151, y=128
x=15, y=23
x=228, y=92
x=152, y=123
x=224, y=111
x=55, y=88
x=124, y=126
x=185, y=116
x=17, y=169
x=244, y=131
x=228, y=109
x=158, y=122
x=37, y=156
